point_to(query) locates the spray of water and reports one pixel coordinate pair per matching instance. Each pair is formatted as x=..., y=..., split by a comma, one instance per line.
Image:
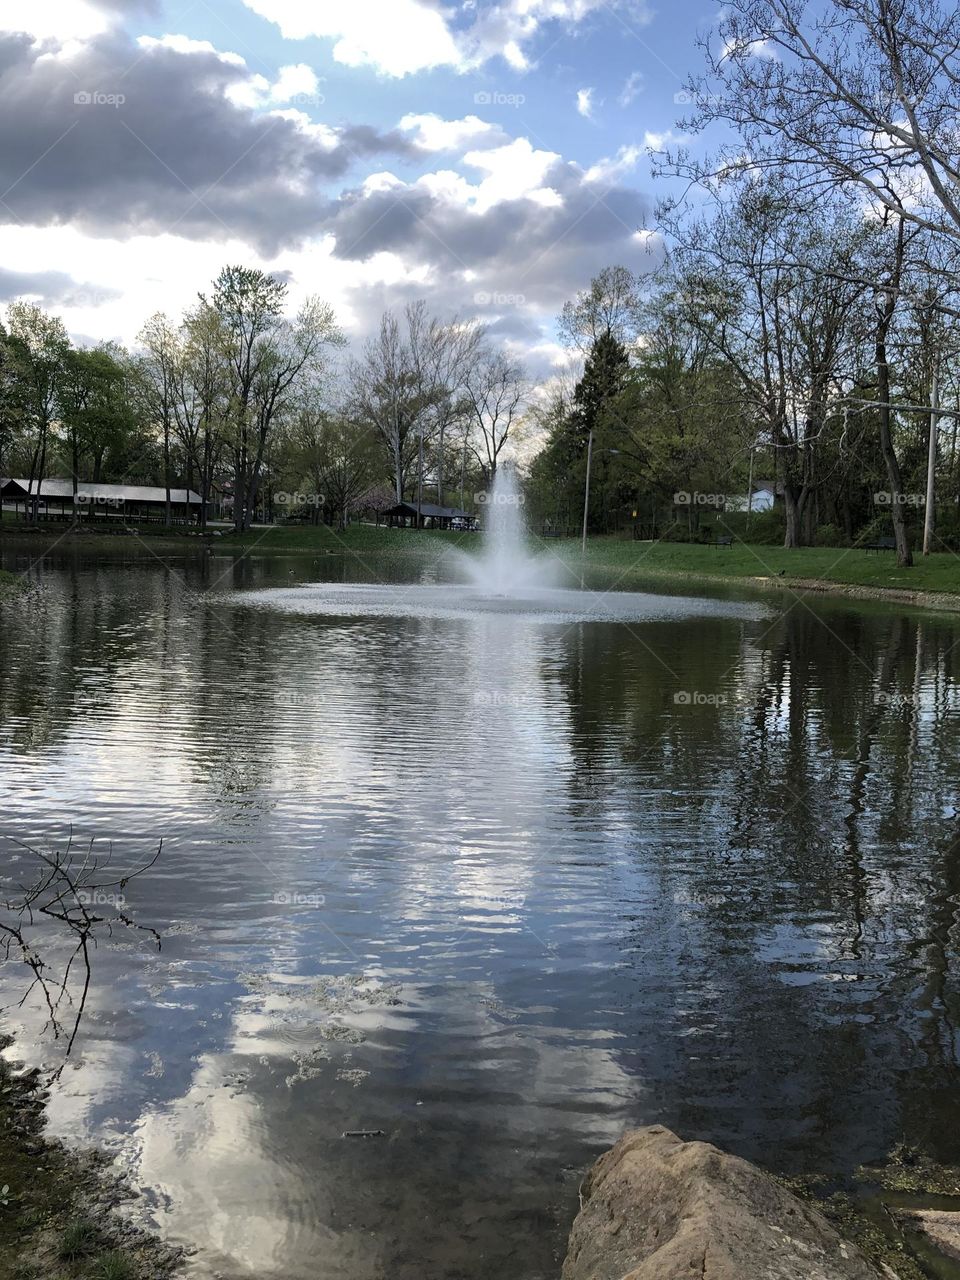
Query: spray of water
x=505, y=566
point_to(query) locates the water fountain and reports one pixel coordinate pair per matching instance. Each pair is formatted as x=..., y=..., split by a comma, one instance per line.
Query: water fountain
x=501, y=576
x=505, y=566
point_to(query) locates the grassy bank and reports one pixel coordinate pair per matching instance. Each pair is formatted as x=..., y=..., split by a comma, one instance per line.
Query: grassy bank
x=622, y=562
x=10, y=585
x=58, y=1209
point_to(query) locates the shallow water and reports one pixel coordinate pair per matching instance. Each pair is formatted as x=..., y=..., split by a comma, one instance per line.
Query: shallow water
x=498, y=882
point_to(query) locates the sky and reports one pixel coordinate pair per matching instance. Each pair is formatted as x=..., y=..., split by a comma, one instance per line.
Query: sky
x=489, y=156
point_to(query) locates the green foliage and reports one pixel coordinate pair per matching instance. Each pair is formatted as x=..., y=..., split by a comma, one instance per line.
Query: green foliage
x=79, y=1239
x=113, y=1265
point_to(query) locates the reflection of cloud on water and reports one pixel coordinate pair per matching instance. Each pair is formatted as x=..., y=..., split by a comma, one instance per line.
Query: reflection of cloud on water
x=249, y=1207
x=254, y=1169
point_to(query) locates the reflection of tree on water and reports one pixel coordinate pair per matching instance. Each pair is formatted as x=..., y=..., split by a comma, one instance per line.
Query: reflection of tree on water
x=800, y=894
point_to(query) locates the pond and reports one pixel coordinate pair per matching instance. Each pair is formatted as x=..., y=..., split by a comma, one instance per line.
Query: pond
x=498, y=884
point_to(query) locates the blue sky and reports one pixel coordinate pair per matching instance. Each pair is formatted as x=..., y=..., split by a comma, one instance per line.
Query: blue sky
x=488, y=156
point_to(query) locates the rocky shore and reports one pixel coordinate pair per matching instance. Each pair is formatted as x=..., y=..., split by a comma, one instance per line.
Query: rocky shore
x=657, y=1208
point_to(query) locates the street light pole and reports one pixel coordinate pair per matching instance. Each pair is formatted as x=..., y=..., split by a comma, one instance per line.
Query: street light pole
x=929, y=514
x=586, y=506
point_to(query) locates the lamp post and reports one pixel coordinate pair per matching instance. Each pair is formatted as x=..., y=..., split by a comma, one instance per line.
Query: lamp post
x=586, y=504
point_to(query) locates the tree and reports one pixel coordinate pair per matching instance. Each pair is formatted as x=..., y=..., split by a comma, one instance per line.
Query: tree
x=201, y=405
x=854, y=93
x=38, y=345
x=83, y=898
x=335, y=455
x=496, y=392
x=405, y=386
x=95, y=407
x=159, y=369
x=11, y=400
x=610, y=305
x=268, y=359
x=773, y=286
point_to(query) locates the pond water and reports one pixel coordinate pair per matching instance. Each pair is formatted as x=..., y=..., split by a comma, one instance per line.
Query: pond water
x=498, y=882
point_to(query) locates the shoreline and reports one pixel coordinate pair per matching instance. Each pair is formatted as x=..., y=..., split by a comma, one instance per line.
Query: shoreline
x=60, y=1208
x=362, y=541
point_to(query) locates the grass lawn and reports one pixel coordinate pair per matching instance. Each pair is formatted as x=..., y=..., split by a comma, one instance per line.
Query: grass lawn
x=623, y=560
x=636, y=560
x=846, y=566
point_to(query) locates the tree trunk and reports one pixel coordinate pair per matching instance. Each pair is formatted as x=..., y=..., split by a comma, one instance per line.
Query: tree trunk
x=792, y=512
x=904, y=554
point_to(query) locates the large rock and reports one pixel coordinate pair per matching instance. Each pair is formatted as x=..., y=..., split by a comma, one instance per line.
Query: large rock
x=941, y=1227
x=657, y=1208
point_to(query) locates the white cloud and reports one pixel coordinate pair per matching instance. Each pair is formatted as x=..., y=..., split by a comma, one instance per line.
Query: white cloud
x=292, y=82
x=59, y=20
x=396, y=36
x=186, y=45
x=585, y=103
x=749, y=49
x=611, y=169
x=299, y=81
x=633, y=85
x=659, y=141
x=400, y=37
x=433, y=133
x=515, y=171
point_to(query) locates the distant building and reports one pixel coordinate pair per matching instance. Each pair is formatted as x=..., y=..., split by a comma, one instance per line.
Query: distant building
x=108, y=501
x=427, y=515
x=765, y=495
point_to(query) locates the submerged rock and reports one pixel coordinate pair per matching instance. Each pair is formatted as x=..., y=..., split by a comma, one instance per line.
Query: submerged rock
x=657, y=1208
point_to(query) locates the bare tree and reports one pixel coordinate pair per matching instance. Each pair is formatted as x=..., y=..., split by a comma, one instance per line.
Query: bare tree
x=768, y=285
x=854, y=93
x=497, y=390
x=84, y=899
x=611, y=305
x=405, y=385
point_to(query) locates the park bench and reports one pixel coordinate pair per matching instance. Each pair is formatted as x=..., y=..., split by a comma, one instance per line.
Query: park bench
x=881, y=544
x=724, y=540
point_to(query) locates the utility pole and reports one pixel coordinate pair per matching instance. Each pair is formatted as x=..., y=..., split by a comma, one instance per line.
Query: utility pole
x=929, y=510
x=420, y=480
x=586, y=507
x=750, y=488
